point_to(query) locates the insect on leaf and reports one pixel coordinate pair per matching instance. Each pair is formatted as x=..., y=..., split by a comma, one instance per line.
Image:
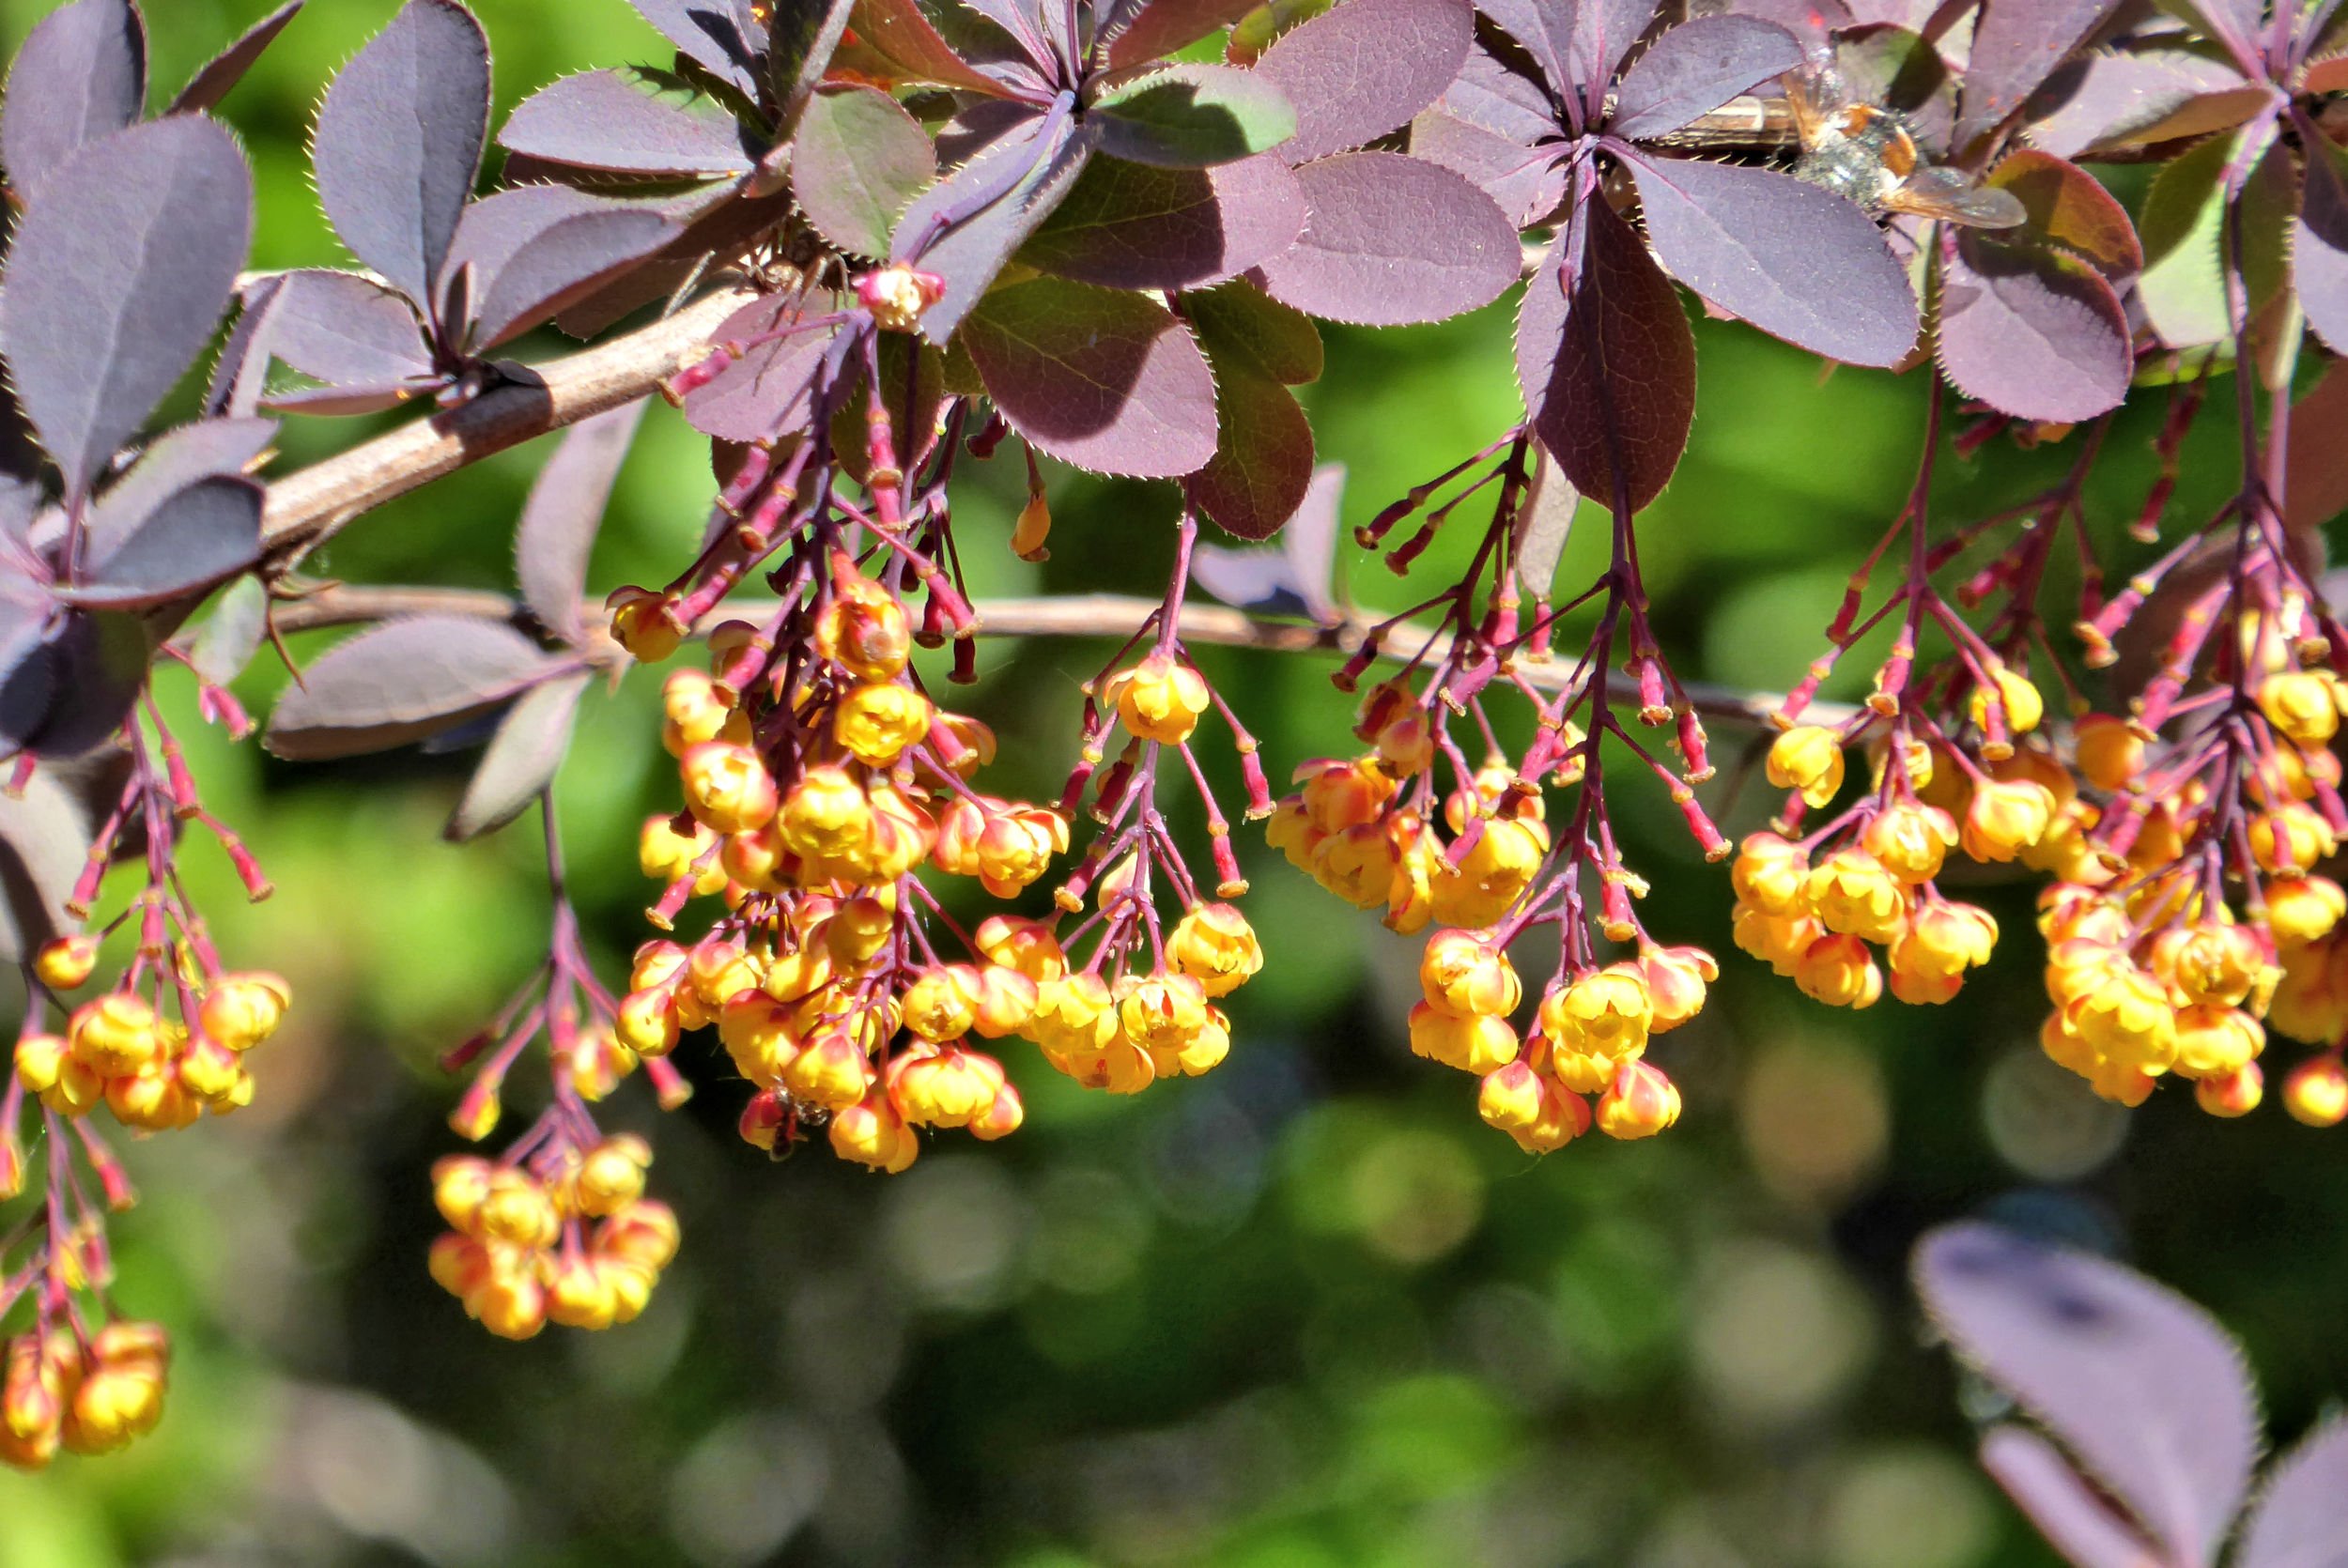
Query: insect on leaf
x=81, y=73
x=401, y=682
x=522, y=757
x=1391, y=240
x=1365, y=67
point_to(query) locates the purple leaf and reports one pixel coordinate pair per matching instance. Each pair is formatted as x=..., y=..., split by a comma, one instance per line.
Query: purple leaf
x=719, y=225
x=857, y=163
x=1159, y=27
x=1263, y=457
x=2016, y=45
x=2034, y=333
x=1609, y=373
x=563, y=512
x=232, y=633
x=1390, y=240
x=191, y=541
x=2068, y=207
x=398, y=138
x=207, y=449
x=2140, y=1385
x=1365, y=67
x=535, y=250
x=2076, y=1522
x=1795, y=260
x=898, y=30
x=28, y=673
x=2315, y=464
x=1604, y=32
x=1811, y=22
x=766, y=391
x=2320, y=244
x=631, y=122
x=401, y=682
x=352, y=398
x=1695, y=69
x=2300, y=1519
x=99, y=661
x=523, y=759
x=1490, y=93
x=1293, y=580
x=220, y=75
x=112, y=294
x=801, y=35
x=45, y=843
x=1033, y=168
x=1527, y=188
x=1128, y=225
x=1543, y=524
x=1190, y=117
x=81, y=74
x=343, y=329
x=708, y=35
x=1544, y=28
x=1240, y=325
x=2152, y=95
x=1105, y=381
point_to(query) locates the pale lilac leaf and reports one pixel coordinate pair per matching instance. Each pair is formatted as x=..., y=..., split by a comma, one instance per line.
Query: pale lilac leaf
x=1365, y=67
x=1294, y=579
x=1544, y=522
x=563, y=512
x=352, y=398
x=232, y=633
x=1033, y=168
x=2016, y=45
x=2300, y=1519
x=1695, y=69
x=191, y=541
x=765, y=391
x=523, y=759
x=857, y=163
x=2075, y=1521
x=1791, y=259
x=2142, y=1388
x=899, y=30
x=630, y=122
x=1159, y=27
x=2108, y=101
x=1129, y=225
x=707, y=33
x=535, y=250
x=1106, y=381
x=2068, y=207
x=398, y=139
x=343, y=328
x=801, y=35
x=400, y=682
x=1190, y=117
x=45, y=843
x=2320, y=245
x=218, y=77
x=1239, y=324
x=111, y=295
x=81, y=74
x=1390, y=240
x=205, y=449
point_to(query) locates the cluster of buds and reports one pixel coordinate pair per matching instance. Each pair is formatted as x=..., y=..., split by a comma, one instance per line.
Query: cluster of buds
x=152, y=1071
x=564, y=1234
x=87, y=1394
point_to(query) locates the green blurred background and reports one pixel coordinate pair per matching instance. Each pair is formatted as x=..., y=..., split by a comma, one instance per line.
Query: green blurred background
x=1305, y=1310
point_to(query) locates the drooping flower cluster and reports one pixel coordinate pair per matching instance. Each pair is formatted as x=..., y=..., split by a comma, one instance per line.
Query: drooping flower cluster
x=85, y=1393
x=563, y=1235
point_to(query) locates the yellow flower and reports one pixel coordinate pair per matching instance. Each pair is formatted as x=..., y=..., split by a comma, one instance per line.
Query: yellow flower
x=1807, y=758
x=826, y=814
x=668, y=856
x=863, y=629
x=2127, y=1019
x=2237, y=1094
x=1641, y=1103
x=1607, y=1013
x=1468, y=976
x=1491, y=876
x=2300, y=703
x=115, y=1034
x=2019, y=700
x=1357, y=865
x=1777, y=939
x=1023, y=944
x=1770, y=874
x=2316, y=1093
x=1910, y=840
x=2293, y=839
x=2216, y=1042
x=1676, y=980
x=1474, y=1044
x=1214, y=944
x=2212, y=963
x=1838, y=970
x=1944, y=939
x=2109, y=750
x=831, y=1070
x=1852, y=892
x=1160, y=699
x=2005, y=817
x=871, y=1132
x=67, y=962
x=2299, y=910
x=942, y=1002
x=949, y=1088
x=876, y=723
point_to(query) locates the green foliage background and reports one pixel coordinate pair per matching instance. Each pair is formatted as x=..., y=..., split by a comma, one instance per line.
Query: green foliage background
x=1307, y=1311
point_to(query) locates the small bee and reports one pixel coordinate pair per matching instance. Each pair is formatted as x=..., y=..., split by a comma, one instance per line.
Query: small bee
x=1866, y=153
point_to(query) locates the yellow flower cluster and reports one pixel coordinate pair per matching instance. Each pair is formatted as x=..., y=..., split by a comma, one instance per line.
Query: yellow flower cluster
x=153, y=1072
x=88, y=1396
x=522, y=1252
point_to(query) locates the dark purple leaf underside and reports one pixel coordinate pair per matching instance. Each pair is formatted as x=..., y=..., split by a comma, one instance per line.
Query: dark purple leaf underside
x=2114, y=100
x=1104, y=380
x=720, y=224
x=401, y=682
x=623, y=121
x=45, y=843
x=2068, y=207
x=1160, y=28
x=707, y=33
x=2320, y=245
x=1392, y=240
x=28, y=673
x=972, y=250
x=1609, y=373
x=111, y=292
x=1191, y=117
x=2300, y=1519
x=191, y=540
x=343, y=329
x=1361, y=70
x=99, y=660
x=81, y=74
x=2075, y=1521
x=857, y=164
x=897, y=29
x=1695, y=69
x=352, y=398
x=563, y=513
x=764, y=391
x=560, y=264
x=177, y=458
x=398, y=138
x=523, y=759
x=801, y=35
x=2016, y=45
x=218, y=77
x=2139, y=1384
x=1794, y=260
x=1128, y=225
x=2032, y=333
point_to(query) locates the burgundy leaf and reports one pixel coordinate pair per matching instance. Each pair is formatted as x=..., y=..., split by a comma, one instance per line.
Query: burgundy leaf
x=2016, y=45
x=720, y=225
x=899, y=30
x=535, y=250
x=2319, y=249
x=207, y=449
x=1128, y=225
x=398, y=139
x=1239, y=325
x=631, y=122
x=219, y=76
x=2315, y=464
x=1159, y=27
x=1105, y=381
x=1366, y=67
x=2034, y=333
x=2300, y=1519
x=1263, y=457
x=45, y=843
x=1604, y=32
x=81, y=74
x=1492, y=94
x=1543, y=27
x=2068, y=207
x=343, y=329
x=401, y=682
x=2140, y=1385
x=1695, y=69
x=191, y=541
x=1032, y=169
x=707, y=34
x=1390, y=240
x=857, y=163
x=1190, y=117
x=523, y=759
x=1527, y=188
x=2076, y=1522
x=2152, y=95
x=766, y=391
x=563, y=512
x=801, y=35
x=1609, y=373
x=232, y=633
x=1791, y=259
x=112, y=294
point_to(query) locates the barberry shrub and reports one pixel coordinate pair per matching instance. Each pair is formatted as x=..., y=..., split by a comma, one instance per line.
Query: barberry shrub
x=868, y=246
